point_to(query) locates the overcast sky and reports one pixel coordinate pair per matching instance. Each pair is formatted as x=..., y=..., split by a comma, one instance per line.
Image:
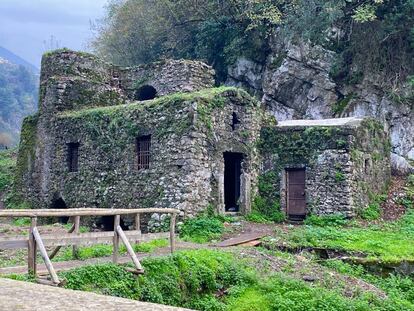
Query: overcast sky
x=25, y=25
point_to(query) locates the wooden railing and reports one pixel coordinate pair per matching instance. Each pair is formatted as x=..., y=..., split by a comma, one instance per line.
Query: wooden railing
x=35, y=241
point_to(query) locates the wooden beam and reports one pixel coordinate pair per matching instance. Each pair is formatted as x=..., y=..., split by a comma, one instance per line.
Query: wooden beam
x=32, y=248
x=172, y=233
x=57, y=249
x=83, y=212
x=75, y=249
x=45, y=257
x=129, y=248
x=115, y=255
x=89, y=238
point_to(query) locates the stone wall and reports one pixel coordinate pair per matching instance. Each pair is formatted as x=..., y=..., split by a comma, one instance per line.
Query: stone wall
x=189, y=133
x=346, y=165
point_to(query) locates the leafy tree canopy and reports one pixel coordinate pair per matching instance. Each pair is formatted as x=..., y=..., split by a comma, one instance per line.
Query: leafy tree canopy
x=217, y=31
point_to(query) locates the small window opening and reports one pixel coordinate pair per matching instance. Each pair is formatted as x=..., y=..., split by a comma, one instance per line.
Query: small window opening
x=73, y=157
x=145, y=92
x=235, y=121
x=144, y=152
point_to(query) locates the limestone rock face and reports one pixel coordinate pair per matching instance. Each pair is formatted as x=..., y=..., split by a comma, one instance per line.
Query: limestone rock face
x=296, y=84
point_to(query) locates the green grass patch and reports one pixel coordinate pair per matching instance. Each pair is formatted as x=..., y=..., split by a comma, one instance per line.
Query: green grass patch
x=218, y=281
x=105, y=250
x=202, y=229
x=323, y=221
x=388, y=242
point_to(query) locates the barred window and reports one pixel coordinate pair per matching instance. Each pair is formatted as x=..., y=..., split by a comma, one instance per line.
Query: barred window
x=73, y=157
x=144, y=151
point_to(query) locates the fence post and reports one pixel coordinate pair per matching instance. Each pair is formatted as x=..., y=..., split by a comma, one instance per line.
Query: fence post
x=32, y=248
x=172, y=232
x=75, y=249
x=117, y=221
x=137, y=224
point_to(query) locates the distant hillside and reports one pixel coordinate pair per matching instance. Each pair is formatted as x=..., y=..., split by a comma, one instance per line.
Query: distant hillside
x=15, y=59
x=18, y=95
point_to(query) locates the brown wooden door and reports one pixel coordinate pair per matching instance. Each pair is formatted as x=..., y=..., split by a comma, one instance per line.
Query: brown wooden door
x=296, y=198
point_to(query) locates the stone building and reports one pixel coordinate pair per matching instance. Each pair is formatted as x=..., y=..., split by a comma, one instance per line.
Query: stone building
x=326, y=166
x=98, y=141
x=162, y=135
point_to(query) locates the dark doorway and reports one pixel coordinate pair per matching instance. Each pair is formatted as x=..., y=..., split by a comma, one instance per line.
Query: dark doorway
x=296, y=198
x=145, y=92
x=232, y=173
x=60, y=204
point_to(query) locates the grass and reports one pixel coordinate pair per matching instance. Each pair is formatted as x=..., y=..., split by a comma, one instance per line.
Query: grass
x=217, y=281
x=19, y=257
x=105, y=250
x=202, y=229
x=387, y=242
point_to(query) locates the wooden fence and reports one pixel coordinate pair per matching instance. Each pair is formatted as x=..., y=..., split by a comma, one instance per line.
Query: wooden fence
x=34, y=241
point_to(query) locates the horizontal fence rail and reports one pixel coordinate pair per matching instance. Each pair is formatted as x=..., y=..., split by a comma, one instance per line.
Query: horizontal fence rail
x=35, y=241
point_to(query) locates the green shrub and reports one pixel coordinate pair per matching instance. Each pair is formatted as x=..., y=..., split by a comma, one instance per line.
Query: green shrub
x=322, y=221
x=21, y=221
x=256, y=217
x=372, y=212
x=263, y=210
x=188, y=279
x=202, y=229
x=7, y=166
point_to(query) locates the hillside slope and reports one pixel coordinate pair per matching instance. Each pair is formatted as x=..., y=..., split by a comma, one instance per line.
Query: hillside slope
x=18, y=97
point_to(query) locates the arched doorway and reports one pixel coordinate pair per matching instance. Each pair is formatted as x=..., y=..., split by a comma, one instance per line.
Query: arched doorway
x=145, y=92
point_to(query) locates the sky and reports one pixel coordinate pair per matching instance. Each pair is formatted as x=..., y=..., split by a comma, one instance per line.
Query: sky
x=27, y=26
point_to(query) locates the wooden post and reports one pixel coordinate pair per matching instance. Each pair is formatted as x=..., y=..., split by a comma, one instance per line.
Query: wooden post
x=45, y=257
x=137, y=224
x=75, y=248
x=32, y=248
x=172, y=232
x=129, y=249
x=117, y=221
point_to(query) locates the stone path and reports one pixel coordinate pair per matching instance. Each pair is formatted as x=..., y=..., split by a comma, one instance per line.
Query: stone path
x=25, y=296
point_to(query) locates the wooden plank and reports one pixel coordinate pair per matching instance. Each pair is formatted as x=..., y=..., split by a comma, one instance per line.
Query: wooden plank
x=57, y=249
x=32, y=249
x=45, y=257
x=117, y=221
x=251, y=243
x=14, y=242
x=129, y=249
x=88, y=238
x=243, y=238
x=70, y=212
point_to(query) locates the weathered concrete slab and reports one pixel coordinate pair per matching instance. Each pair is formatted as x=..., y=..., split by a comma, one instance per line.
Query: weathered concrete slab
x=24, y=296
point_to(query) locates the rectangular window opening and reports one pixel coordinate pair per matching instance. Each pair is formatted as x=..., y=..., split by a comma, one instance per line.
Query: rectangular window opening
x=73, y=157
x=144, y=152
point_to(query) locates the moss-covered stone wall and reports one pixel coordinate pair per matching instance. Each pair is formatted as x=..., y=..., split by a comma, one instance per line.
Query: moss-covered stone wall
x=189, y=133
x=345, y=165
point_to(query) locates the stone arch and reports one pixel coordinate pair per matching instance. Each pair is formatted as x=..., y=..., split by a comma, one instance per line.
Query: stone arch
x=145, y=92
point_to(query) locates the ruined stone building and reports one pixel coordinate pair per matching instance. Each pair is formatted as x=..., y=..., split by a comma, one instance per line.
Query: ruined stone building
x=162, y=135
